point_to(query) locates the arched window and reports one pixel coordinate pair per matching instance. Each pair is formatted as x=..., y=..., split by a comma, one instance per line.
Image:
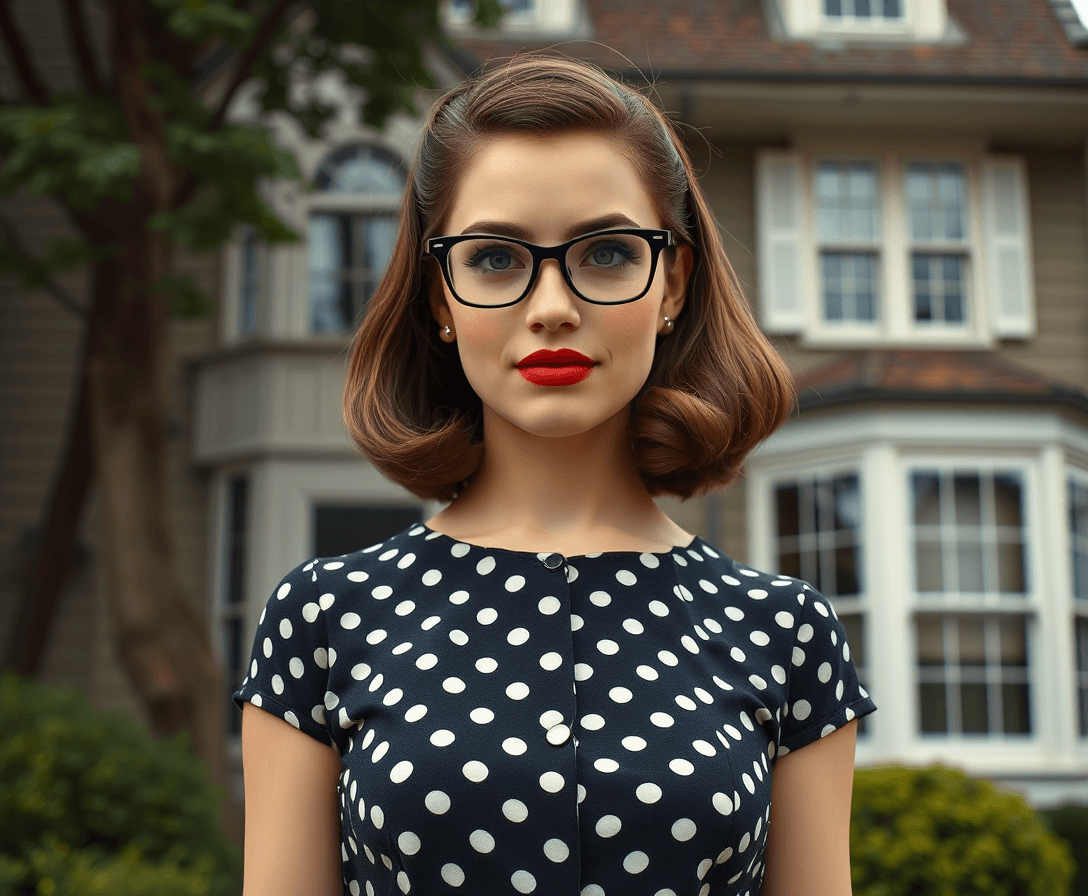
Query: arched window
x=352, y=229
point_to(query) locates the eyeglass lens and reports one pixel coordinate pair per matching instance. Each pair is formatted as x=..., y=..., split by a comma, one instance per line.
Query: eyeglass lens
x=604, y=268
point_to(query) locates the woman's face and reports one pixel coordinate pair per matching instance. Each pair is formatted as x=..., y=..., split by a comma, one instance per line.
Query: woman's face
x=547, y=191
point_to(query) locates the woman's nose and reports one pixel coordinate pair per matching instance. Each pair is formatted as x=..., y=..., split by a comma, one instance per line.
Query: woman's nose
x=550, y=303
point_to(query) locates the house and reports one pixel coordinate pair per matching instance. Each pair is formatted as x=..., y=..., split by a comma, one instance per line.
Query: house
x=902, y=186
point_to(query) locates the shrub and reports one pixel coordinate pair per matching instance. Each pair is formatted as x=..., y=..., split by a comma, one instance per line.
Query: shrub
x=1070, y=822
x=936, y=832
x=89, y=804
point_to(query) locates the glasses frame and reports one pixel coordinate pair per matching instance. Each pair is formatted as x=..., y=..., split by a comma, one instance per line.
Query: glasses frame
x=438, y=248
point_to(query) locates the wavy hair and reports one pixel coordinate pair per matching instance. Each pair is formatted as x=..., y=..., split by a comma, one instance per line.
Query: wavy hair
x=716, y=387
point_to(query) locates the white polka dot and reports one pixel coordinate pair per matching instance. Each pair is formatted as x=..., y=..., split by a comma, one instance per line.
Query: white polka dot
x=749, y=785
x=486, y=565
x=415, y=713
x=403, y=647
x=648, y=793
x=683, y=829
x=667, y=657
x=487, y=615
x=658, y=608
x=405, y=607
x=607, y=826
x=734, y=613
x=778, y=674
x=821, y=609
x=426, y=661
x=277, y=684
x=481, y=841
x=267, y=647
x=745, y=842
x=591, y=722
x=286, y=628
x=474, y=770
x=452, y=874
x=377, y=816
x=591, y=890
x=620, y=695
x=549, y=606
x=515, y=746
x=481, y=715
x=379, y=751
x=576, y=622
x=290, y=718
x=551, y=661
x=257, y=700
x=406, y=561
x=703, y=747
x=804, y=633
x=608, y=647
x=486, y=665
x=649, y=673
x=381, y=592
x=283, y=591
x=633, y=626
x=552, y=782
x=635, y=862
x=823, y=673
x=523, y=881
x=453, y=685
x=409, y=843
x=798, y=656
x=458, y=597
x=310, y=611
x=357, y=576
x=689, y=644
x=838, y=691
x=331, y=699
x=460, y=549
x=514, y=583
x=556, y=850
x=582, y=671
x=681, y=766
x=722, y=803
x=650, y=561
x=784, y=619
x=443, y=737
x=376, y=636
x=437, y=802
x=633, y=743
x=296, y=667
x=626, y=577
x=758, y=682
x=517, y=690
x=515, y=810
x=662, y=719
x=401, y=771
x=760, y=639
x=605, y=765
x=757, y=594
x=550, y=718
x=685, y=702
x=459, y=637
x=431, y=577
x=600, y=598
x=393, y=697
x=517, y=636
x=826, y=730
x=801, y=710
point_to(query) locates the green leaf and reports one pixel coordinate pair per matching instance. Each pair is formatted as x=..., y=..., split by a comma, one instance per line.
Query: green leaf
x=186, y=301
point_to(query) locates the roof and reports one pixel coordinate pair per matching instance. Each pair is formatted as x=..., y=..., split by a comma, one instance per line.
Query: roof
x=1005, y=42
x=926, y=375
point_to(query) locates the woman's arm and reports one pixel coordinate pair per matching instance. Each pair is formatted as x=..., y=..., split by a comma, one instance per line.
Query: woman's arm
x=808, y=841
x=292, y=842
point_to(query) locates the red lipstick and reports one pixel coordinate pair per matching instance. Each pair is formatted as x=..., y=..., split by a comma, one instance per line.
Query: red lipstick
x=564, y=367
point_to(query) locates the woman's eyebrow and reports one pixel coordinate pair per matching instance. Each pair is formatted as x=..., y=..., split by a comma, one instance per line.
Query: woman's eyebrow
x=507, y=228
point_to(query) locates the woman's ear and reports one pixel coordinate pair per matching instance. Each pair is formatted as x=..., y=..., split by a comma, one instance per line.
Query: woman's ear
x=440, y=309
x=676, y=281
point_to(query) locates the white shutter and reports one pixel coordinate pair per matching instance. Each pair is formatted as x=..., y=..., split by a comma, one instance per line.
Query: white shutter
x=1007, y=228
x=779, y=219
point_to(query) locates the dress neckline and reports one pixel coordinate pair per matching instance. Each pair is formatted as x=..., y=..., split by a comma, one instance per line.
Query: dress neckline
x=434, y=534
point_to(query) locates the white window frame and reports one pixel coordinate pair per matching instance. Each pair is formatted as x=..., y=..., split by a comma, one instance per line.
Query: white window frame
x=790, y=299
x=546, y=16
x=230, y=329
x=923, y=21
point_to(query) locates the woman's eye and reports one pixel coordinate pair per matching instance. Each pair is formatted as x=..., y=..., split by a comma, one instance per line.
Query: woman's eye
x=493, y=260
x=610, y=255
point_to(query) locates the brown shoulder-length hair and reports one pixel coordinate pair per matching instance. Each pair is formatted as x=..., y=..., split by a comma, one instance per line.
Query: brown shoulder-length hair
x=716, y=388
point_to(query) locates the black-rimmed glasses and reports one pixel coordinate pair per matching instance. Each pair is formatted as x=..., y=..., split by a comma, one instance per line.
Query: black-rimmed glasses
x=609, y=267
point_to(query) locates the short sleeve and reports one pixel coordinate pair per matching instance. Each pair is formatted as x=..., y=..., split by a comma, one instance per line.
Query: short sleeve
x=288, y=671
x=824, y=690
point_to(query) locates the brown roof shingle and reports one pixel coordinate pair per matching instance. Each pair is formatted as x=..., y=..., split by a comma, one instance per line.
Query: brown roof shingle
x=1007, y=41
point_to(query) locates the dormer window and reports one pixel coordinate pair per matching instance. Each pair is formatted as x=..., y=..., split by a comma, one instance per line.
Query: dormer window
x=353, y=224
x=913, y=21
x=863, y=10
x=555, y=17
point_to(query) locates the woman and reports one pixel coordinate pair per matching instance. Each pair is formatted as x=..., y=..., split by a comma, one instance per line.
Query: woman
x=550, y=687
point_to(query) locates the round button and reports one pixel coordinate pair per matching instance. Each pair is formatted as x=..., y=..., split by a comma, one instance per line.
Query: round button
x=553, y=561
x=558, y=734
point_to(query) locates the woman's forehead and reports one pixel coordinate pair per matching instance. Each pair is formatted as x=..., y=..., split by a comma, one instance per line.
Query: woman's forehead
x=547, y=183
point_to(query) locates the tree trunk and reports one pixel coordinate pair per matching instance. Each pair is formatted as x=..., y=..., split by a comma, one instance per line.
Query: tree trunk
x=163, y=641
x=54, y=555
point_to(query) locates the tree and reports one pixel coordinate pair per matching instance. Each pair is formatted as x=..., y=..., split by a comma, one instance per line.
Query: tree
x=141, y=165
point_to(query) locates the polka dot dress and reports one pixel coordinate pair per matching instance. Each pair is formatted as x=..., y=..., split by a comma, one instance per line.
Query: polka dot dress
x=512, y=722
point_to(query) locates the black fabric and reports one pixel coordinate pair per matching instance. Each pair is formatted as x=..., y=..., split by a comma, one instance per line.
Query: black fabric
x=513, y=722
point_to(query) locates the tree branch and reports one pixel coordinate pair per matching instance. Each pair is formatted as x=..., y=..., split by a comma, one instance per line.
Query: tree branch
x=81, y=46
x=32, y=84
x=61, y=295
x=265, y=32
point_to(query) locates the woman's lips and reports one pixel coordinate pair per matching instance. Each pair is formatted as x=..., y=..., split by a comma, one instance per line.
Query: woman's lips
x=555, y=376
x=564, y=367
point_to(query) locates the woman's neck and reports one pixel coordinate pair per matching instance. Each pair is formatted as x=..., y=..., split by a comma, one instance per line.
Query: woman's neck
x=576, y=494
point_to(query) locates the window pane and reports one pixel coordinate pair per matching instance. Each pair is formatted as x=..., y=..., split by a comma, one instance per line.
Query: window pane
x=862, y=9
x=847, y=503
x=974, y=708
x=1007, y=499
x=846, y=201
x=939, y=282
x=847, y=578
x=1015, y=709
x=247, y=310
x=1010, y=569
x=925, y=489
x=930, y=640
x=1014, y=644
x=789, y=564
x=361, y=169
x=972, y=637
x=969, y=566
x=933, y=705
x=967, y=492
x=937, y=199
x=892, y=9
x=928, y=566
x=786, y=501
x=849, y=285
x=1078, y=537
x=855, y=636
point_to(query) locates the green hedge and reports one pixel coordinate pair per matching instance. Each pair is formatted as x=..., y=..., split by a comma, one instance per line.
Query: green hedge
x=1070, y=822
x=935, y=831
x=89, y=804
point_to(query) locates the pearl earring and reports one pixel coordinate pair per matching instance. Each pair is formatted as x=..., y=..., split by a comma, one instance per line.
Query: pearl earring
x=446, y=333
x=668, y=323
